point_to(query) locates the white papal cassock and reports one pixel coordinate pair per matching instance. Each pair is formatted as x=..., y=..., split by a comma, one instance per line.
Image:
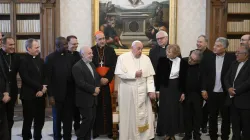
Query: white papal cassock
x=135, y=109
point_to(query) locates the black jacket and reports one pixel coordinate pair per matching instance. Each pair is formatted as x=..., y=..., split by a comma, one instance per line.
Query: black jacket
x=85, y=84
x=4, y=84
x=59, y=75
x=242, y=85
x=156, y=53
x=163, y=71
x=193, y=78
x=32, y=75
x=209, y=74
x=12, y=75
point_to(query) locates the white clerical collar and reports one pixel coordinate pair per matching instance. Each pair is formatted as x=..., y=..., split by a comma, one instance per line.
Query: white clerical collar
x=34, y=56
x=174, y=59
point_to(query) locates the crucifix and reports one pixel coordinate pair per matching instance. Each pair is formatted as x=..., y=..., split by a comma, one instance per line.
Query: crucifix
x=101, y=63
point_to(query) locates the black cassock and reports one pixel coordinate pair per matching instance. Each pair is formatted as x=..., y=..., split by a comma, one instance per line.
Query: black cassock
x=105, y=57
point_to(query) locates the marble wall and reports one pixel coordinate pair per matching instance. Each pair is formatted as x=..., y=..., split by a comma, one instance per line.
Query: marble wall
x=75, y=19
x=191, y=22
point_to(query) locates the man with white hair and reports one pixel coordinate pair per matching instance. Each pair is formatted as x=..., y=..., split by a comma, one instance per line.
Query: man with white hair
x=154, y=55
x=134, y=92
x=159, y=50
x=87, y=89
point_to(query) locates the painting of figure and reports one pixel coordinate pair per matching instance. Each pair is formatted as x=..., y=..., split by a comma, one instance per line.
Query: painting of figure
x=124, y=21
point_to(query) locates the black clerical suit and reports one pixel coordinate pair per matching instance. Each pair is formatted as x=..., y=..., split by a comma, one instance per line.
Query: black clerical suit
x=240, y=103
x=204, y=64
x=103, y=123
x=77, y=118
x=61, y=87
x=11, y=64
x=216, y=100
x=32, y=75
x=86, y=82
x=154, y=55
x=193, y=102
x=4, y=87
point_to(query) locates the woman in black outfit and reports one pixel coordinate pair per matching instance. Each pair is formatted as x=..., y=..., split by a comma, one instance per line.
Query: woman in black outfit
x=170, y=83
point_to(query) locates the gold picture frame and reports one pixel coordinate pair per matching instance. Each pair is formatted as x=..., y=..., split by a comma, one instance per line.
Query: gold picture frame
x=172, y=24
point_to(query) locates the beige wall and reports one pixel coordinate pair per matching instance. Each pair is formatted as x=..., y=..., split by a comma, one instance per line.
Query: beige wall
x=76, y=19
x=191, y=22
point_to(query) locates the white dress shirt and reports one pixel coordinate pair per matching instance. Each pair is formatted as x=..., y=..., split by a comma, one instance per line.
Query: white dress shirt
x=175, y=69
x=218, y=70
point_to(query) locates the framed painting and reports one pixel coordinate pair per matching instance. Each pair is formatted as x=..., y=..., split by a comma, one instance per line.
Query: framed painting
x=124, y=21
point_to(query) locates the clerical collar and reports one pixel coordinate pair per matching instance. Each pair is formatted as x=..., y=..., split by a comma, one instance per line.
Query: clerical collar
x=32, y=56
x=174, y=59
x=163, y=47
x=71, y=52
x=5, y=53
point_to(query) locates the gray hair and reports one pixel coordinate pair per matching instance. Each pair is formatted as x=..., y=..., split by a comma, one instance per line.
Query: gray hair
x=83, y=49
x=223, y=41
x=135, y=42
x=162, y=32
x=198, y=53
x=28, y=43
x=205, y=37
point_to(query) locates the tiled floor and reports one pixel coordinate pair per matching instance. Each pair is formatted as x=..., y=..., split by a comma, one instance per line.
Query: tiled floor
x=47, y=130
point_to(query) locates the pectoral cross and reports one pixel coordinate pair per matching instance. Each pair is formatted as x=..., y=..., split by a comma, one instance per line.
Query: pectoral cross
x=101, y=63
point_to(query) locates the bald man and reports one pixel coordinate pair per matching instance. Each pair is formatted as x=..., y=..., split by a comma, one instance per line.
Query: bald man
x=245, y=39
x=104, y=60
x=135, y=91
x=87, y=90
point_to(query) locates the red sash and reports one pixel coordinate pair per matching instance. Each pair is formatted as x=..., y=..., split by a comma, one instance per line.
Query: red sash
x=103, y=71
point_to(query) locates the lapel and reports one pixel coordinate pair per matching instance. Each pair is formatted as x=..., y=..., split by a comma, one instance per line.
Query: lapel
x=213, y=66
x=243, y=67
x=225, y=63
x=93, y=68
x=85, y=67
x=37, y=67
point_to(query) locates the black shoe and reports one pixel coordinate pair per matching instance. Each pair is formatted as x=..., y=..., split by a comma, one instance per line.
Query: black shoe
x=110, y=136
x=95, y=136
x=197, y=138
x=204, y=130
x=160, y=134
x=186, y=138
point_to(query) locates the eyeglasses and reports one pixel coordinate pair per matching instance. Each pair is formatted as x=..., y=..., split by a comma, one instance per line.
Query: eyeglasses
x=237, y=52
x=244, y=39
x=160, y=38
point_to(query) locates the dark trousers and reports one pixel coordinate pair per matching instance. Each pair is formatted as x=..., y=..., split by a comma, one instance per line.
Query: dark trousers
x=33, y=110
x=204, y=116
x=77, y=118
x=216, y=105
x=54, y=122
x=4, y=131
x=88, y=119
x=10, y=112
x=193, y=114
x=64, y=114
x=240, y=122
